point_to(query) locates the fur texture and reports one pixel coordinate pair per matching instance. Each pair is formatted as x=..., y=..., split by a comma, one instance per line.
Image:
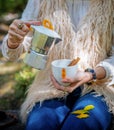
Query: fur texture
x=93, y=38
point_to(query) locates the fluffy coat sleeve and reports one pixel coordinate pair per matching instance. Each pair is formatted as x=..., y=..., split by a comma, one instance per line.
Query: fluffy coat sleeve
x=29, y=13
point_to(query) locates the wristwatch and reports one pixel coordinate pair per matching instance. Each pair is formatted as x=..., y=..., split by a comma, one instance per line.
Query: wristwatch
x=93, y=75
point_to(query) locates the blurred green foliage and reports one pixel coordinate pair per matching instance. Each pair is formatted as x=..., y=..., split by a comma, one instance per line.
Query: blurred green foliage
x=24, y=79
x=13, y=6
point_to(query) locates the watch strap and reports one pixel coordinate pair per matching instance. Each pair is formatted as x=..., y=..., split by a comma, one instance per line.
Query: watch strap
x=93, y=75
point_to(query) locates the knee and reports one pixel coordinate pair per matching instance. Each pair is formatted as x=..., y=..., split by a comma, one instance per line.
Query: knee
x=89, y=112
x=35, y=121
x=87, y=121
x=41, y=120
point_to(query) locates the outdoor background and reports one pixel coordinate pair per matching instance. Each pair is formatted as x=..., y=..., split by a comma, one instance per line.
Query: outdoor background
x=15, y=77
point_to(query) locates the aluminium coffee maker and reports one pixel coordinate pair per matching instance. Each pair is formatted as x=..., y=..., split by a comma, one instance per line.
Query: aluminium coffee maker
x=43, y=39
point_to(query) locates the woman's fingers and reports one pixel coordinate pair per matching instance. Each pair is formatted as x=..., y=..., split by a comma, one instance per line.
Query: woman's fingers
x=56, y=84
x=16, y=33
x=80, y=79
x=16, y=27
x=14, y=37
x=68, y=89
x=29, y=23
x=68, y=80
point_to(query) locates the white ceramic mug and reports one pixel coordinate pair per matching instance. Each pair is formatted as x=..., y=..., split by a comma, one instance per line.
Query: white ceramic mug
x=62, y=65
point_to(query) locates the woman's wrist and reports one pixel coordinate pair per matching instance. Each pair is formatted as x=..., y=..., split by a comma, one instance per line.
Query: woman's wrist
x=100, y=72
x=93, y=74
x=12, y=46
x=97, y=73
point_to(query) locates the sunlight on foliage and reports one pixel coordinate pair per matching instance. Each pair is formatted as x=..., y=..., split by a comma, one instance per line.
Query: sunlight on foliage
x=23, y=79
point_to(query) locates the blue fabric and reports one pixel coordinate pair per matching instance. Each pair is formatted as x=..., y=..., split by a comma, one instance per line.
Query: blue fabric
x=99, y=117
x=56, y=114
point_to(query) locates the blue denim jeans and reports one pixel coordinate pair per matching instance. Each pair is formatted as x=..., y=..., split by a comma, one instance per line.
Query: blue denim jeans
x=75, y=112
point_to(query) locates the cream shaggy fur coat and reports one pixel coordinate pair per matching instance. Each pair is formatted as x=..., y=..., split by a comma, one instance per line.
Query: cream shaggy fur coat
x=91, y=40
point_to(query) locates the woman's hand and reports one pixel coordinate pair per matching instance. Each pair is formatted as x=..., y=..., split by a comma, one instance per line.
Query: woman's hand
x=18, y=30
x=16, y=33
x=80, y=78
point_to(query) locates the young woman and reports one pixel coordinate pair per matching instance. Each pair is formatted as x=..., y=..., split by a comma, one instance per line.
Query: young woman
x=86, y=29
